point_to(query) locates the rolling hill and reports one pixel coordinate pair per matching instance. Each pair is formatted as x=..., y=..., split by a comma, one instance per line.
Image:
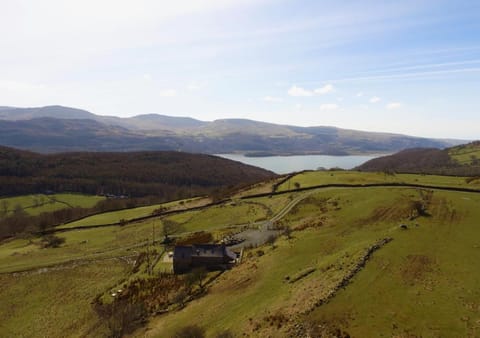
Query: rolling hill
x=461, y=160
x=357, y=261
x=58, y=129
x=170, y=175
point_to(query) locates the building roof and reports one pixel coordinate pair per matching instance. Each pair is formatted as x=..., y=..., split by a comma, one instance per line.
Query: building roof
x=203, y=250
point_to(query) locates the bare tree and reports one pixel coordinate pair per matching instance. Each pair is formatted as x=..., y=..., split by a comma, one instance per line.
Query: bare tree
x=169, y=228
x=196, y=277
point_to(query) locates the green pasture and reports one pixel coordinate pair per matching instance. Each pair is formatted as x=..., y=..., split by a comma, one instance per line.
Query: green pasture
x=112, y=241
x=466, y=154
x=22, y=254
x=237, y=212
x=354, y=220
x=313, y=178
x=117, y=216
x=36, y=204
x=424, y=283
x=56, y=303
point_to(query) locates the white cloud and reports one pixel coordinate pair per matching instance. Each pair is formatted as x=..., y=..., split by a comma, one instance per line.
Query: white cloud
x=168, y=93
x=147, y=77
x=328, y=106
x=359, y=94
x=272, y=99
x=393, y=105
x=374, y=99
x=299, y=107
x=328, y=88
x=299, y=91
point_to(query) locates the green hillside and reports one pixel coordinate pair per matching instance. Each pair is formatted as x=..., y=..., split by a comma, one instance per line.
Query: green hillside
x=467, y=154
x=365, y=261
x=462, y=160
x=36, y=204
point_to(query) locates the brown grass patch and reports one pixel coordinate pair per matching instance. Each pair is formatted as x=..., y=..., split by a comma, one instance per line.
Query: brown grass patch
x=416, y=268
x=444, y=211
x=241, y=277
x=393, y=213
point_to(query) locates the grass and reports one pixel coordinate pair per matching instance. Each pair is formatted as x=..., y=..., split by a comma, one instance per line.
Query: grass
x=465, y=154
x=423, y=282
x=128, y=214
x=21, y=254
x=238, y=212
x=56, y=303
x=313, y=178
x=36, y=204
x=255, y=300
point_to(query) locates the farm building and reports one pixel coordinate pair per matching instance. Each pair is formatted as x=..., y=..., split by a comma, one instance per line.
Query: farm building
x=210, y=256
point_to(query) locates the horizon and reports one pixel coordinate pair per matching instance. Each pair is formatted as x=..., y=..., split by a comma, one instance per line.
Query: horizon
x=384, y=67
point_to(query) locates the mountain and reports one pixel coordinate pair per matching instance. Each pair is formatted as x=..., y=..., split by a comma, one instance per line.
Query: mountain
x=60, y=112
x=57, y=129
x=461, y=160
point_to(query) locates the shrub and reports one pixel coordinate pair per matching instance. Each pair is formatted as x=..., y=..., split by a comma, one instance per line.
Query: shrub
x=52, y=241
x=190, y=331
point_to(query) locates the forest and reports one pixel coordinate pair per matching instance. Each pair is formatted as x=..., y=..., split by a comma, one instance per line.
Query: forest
x=167, y=175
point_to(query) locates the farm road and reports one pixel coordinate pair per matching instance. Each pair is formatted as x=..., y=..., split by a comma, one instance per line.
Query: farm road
x=255, y=237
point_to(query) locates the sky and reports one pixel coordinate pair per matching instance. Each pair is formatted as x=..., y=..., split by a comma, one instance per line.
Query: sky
x=410, y=67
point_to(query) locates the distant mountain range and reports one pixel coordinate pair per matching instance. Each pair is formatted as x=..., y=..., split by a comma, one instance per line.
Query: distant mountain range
x=59, y=129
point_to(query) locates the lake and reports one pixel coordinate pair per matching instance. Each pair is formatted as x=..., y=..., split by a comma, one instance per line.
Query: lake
x=287, y=164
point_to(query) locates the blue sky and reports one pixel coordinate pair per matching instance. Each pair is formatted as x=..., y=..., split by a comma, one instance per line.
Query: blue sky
x=409, y=67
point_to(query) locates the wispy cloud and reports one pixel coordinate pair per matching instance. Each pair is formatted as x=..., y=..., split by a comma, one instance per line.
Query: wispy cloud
x=328, y=88
x=299, y=91
x=329, y=106
x=374, y=99
x=393, y=105
x=411, y=75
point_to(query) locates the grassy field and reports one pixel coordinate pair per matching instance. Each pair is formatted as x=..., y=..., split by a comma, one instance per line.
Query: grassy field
x=21, y=254
x=465, y=154
x=128, y=214
x=238, y=212
x=36, y=204
x=56, y=303
x=314, y=178
x=424, y=283
x=255, y=299
x=421, y=283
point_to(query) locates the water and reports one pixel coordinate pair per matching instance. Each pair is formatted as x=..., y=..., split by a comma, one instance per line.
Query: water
x=287, y=164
